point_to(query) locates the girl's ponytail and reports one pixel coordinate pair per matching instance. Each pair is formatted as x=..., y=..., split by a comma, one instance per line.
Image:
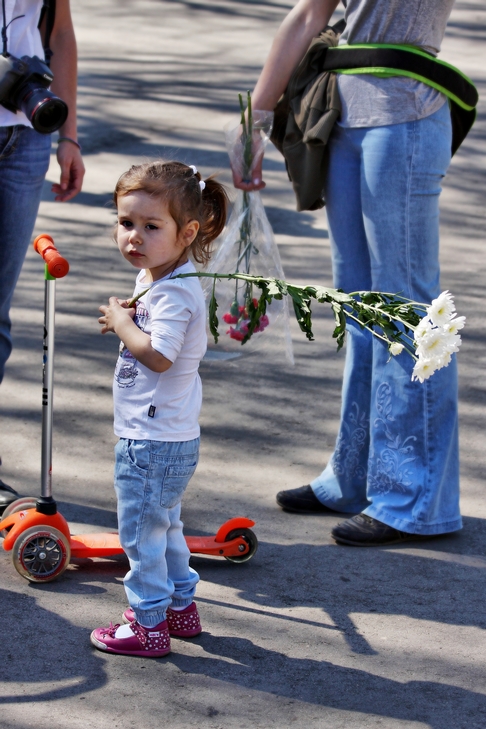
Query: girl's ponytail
x=214, y=210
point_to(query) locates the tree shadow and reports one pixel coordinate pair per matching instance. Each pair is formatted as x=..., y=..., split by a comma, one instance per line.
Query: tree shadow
x=324, y=684
x=33, y=655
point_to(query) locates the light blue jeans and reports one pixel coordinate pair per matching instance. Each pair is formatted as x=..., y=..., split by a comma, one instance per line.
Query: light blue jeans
x=396, y=455
x=150, y=479
x=24, y=159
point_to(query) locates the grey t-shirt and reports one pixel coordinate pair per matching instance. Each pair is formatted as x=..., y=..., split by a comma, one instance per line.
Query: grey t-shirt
x=368, y=100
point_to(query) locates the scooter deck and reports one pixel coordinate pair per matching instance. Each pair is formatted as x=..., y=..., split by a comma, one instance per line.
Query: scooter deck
x=108, y=545
x=99, y=544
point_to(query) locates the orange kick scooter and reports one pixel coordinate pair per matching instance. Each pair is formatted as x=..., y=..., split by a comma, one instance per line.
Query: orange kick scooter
x=34, y=531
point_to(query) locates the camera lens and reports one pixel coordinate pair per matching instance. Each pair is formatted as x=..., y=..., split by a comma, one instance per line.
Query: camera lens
x=46, y=111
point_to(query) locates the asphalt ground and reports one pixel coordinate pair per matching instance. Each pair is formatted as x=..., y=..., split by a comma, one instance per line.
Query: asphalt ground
x=307, y=633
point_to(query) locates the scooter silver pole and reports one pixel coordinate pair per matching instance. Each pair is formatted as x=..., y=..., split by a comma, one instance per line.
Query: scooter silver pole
x=56, y=267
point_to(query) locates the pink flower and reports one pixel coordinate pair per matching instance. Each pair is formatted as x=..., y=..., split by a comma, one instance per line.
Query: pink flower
x=264, y=321
x=230, y=318
x=235, y=334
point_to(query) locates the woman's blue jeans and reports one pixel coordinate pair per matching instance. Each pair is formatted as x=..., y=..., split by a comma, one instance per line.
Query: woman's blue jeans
x=150, y=480
x=396, y=455
x=24, y=160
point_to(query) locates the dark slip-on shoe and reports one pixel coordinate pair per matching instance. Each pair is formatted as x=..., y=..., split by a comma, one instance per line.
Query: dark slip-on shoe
x=7, y=496
x=302, y=500
x=364, y=531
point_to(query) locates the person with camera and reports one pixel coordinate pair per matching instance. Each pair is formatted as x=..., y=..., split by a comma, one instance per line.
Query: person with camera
x=395, y=465
x=29, y=113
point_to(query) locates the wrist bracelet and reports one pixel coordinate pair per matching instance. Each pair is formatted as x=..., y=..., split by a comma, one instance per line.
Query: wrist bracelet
x=68, y=139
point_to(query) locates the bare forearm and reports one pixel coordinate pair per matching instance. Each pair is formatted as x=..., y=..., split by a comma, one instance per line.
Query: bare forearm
x=64, y=65
x=302, y=24
x=140, y=346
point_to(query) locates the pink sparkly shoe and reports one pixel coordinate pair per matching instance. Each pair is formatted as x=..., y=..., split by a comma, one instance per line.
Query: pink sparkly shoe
x=149, y=642
x=182, y=623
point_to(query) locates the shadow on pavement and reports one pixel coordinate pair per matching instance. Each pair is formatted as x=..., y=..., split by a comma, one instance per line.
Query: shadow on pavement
x=42, y=649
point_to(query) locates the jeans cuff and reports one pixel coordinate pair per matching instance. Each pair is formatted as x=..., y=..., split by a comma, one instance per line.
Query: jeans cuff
x=181, y=602
x=149, y=620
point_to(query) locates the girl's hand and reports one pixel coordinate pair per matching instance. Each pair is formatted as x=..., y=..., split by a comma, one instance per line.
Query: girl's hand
x=115, y=315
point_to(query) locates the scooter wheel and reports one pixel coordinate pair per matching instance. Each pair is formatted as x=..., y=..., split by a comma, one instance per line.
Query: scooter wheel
x=41, y=553
x=25, y=502
x=251, y=540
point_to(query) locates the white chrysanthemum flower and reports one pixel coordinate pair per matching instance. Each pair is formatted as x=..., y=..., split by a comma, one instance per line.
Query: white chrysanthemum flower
x=443, y=360
x=433, y=345
x=441, y=309
x=454, y=325
x=423, y=369
x=423, y=329
x=396, y=348
x=452, y=342
x=436, y=337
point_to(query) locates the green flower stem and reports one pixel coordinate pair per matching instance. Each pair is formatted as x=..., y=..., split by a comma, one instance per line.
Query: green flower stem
x=418, y=304
x=133, y=301
x=382, y=313
x=389, y=316
x=379, y=336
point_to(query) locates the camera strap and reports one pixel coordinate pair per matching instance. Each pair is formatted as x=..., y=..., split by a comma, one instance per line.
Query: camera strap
x=5, y=28
x=48, y=13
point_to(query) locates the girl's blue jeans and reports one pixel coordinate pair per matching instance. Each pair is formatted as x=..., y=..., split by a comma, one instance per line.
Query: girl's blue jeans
x=396, y=455
x=150, y=479
x=24, y=159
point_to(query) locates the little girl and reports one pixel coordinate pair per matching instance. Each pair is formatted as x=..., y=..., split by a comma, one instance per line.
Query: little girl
x=164, y=212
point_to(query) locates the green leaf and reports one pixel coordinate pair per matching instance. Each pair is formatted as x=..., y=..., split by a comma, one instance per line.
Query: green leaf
x=213, y=319
x=339, y=332
x=303, y=315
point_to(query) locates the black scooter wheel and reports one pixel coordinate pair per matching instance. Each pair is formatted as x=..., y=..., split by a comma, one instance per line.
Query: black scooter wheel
x=41, y=553
x=250, y=538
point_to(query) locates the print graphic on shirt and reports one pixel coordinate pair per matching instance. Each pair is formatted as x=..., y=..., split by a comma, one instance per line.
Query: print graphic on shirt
x=126, y=367
x=141, y=316
x=347, y=459
x=388, y=470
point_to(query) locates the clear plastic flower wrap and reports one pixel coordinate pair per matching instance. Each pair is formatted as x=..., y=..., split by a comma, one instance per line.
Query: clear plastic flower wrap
x=248, y=246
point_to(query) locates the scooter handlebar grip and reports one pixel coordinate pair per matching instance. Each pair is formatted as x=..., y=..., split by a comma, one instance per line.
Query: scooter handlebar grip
x=57, y=266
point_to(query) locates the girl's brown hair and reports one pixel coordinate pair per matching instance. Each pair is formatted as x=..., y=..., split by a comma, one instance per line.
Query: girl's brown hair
x=178, y=186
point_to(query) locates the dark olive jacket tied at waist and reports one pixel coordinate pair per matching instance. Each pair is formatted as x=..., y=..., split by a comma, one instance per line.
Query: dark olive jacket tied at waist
x=304, y=118
x=307, y=111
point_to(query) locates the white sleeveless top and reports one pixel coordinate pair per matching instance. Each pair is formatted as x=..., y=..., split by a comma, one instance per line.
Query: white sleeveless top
x=24, y=39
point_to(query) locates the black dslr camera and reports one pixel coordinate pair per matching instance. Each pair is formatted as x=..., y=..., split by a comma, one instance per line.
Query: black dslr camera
x=24, y=86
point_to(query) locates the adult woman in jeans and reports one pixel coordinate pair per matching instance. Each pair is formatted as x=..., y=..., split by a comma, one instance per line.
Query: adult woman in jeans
x=24, y=155
x=395, y=463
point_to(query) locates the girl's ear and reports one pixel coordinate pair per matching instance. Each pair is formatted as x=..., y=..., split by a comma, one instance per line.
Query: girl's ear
x=189, y=232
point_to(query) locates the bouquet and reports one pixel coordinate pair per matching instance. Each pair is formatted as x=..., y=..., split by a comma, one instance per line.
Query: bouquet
x=427, y=333
x=248, y=246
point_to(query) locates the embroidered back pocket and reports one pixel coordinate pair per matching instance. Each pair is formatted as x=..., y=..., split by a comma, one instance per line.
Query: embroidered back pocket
x=177, y=476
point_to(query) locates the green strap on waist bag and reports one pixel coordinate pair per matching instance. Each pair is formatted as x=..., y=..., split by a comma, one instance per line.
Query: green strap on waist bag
x=401, y=60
